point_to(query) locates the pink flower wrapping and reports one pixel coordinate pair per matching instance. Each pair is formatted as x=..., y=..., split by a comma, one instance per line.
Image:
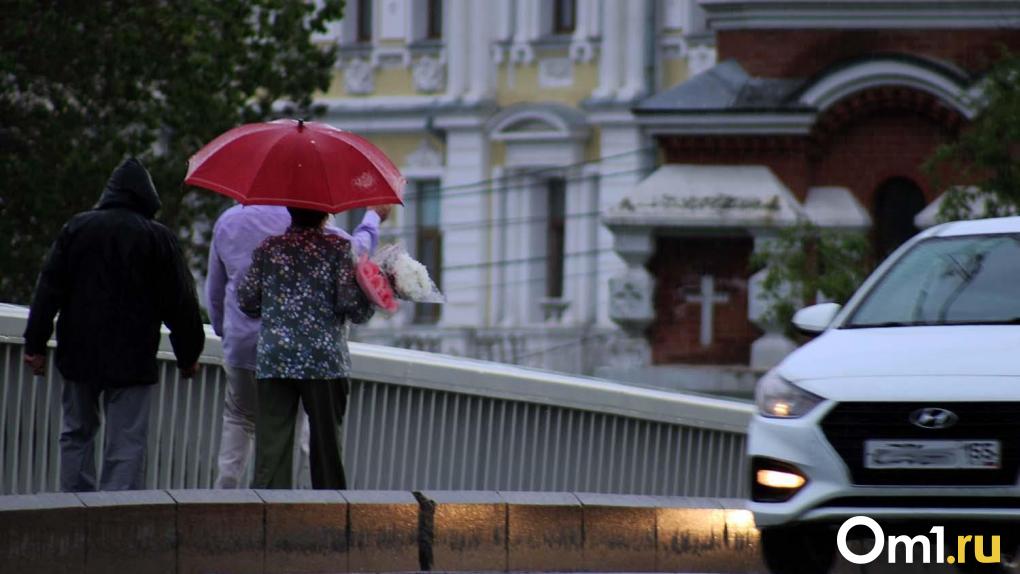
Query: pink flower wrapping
x=375, y=286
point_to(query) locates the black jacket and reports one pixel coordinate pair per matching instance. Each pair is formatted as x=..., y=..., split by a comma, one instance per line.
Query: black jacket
x=115, y=275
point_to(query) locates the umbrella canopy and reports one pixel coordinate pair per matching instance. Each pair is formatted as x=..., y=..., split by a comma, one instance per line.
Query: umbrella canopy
x=298, y=164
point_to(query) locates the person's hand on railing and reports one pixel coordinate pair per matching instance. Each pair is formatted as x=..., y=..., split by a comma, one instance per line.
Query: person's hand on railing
x=37, y=363
x=189, y=372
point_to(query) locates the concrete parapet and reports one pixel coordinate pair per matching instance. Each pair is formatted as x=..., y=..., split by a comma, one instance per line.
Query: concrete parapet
x=306, y=531
x=743, y=542
x=705, y=534
x=619, y=532
x=384, y=531
x=42, y=533
x=130, y=531
x=280, y=532
x=219, y=531
x=546, y=531
x=468, y=530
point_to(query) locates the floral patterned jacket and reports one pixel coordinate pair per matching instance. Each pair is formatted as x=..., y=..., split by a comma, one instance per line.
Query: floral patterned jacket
x=302, y=285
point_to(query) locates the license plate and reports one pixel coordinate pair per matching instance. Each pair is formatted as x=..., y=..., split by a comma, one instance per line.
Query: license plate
x=934, y=454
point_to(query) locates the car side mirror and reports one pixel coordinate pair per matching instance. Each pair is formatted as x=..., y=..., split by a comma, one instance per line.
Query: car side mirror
x=816, y=318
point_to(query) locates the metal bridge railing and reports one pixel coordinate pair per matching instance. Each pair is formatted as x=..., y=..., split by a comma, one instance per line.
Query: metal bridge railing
x=417, y=421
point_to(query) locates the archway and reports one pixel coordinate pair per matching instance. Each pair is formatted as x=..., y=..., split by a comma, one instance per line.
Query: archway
x=897, y=201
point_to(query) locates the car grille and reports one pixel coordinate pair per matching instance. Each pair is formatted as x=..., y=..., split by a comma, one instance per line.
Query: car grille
x=849, y=424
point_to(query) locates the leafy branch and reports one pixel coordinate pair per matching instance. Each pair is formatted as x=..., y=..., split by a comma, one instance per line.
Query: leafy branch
x=805, y=261
x=979, y=170
x=84, y=84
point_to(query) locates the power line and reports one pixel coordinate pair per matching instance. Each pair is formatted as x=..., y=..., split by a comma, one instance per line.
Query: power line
x=482, y=223
x=540, y=279
x=400, y=230
x=572, y=343
x=509, y=262
x=485, y=184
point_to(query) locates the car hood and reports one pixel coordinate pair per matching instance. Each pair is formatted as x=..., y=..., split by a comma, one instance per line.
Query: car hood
x=860, y=364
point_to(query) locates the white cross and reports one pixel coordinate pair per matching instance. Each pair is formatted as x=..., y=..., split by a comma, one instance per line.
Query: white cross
x=708, y=300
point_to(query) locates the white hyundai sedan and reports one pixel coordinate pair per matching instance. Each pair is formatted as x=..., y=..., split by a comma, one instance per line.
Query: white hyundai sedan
x=905, y=409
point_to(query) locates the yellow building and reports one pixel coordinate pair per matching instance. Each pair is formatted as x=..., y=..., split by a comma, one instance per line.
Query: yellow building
x=511, y=120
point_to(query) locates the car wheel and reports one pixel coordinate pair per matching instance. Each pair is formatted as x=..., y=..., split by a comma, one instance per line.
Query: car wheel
x=798, y=549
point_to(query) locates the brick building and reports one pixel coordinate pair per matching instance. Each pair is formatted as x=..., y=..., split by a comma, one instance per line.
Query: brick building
x=817, y=110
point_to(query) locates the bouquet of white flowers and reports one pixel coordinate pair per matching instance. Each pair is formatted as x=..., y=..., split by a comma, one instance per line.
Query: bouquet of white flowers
x=409, y=278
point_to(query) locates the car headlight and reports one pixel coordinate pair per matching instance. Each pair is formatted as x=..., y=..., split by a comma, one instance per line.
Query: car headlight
x=778, y=398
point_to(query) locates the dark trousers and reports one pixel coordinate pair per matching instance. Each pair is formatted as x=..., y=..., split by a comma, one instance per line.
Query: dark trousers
x=127, y=430
x=325, y=401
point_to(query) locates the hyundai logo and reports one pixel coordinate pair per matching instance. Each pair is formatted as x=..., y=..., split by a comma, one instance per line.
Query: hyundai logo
x=933, y=418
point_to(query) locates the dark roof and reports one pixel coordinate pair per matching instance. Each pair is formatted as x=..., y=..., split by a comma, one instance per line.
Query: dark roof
x=725, y=87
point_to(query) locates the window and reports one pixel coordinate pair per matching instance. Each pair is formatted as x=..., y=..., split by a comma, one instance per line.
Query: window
x=962, y=280
x=564, y=16
x=364, y=16
x=428, y=243
x=897, y=201
x=555, y=237
x=434, y=28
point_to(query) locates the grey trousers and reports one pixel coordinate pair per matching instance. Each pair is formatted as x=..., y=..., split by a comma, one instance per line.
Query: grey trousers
x=238, y=427
x=127, y=430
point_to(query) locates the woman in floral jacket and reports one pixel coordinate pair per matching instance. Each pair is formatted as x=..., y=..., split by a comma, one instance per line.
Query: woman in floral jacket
x=302, y=284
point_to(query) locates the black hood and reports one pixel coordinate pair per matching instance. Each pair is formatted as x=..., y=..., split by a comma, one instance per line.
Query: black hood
x=131, y=187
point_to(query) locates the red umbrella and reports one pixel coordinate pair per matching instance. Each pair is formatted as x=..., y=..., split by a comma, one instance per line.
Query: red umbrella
x=297, y=164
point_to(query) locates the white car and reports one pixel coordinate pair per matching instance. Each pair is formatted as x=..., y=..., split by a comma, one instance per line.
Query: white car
x=905, y=409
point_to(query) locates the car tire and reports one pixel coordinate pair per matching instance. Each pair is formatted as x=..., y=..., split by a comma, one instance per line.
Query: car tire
x=798, y=549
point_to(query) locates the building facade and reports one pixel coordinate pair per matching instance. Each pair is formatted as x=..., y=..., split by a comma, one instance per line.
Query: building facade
x=820, y=111
x=513, y=122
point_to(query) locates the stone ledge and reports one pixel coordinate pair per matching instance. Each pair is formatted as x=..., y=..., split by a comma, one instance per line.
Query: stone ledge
x=546, y=531
x=42, y=533
x=354, y=531
x=220, y=531
x=130, y=531
x=469, y=530
x=384, y=531
x=619, y=532
x=306, y=531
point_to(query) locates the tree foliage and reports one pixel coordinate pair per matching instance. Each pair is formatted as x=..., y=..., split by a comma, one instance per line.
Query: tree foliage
x=84, y=84
x=804, y=261
x=980, y=169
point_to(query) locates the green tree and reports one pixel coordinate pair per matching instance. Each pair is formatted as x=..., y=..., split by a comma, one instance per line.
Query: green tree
x=84, y=84
x=805, y=260
x=982, y=165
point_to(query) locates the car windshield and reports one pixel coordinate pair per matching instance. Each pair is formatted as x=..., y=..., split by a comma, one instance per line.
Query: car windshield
x=948, y=281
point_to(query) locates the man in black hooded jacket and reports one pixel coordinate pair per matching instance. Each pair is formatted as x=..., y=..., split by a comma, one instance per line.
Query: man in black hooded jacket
x=114, y=275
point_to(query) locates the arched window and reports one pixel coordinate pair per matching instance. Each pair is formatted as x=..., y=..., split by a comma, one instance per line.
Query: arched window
x=896, y=203
x=537, y=224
